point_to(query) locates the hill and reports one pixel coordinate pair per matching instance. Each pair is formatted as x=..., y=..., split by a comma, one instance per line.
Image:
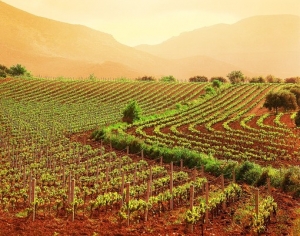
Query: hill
x=261, y=44
x=51, y=48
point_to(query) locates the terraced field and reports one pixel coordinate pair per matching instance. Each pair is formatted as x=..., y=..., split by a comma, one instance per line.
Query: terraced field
x=55, y=180
x=227, y=127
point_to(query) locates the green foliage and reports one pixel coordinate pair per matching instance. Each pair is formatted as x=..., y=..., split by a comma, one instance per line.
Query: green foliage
x=236, y=77
x=210, y=90
x=258, y=79
x=282, y=98
x=92, y=77
x=3, y=71
x=272, y=79
x=219, y=78
x=132, y=112
x=216, y=83
x=248, y=172
x=169, y=78
x=17, y=70
x=198, y=78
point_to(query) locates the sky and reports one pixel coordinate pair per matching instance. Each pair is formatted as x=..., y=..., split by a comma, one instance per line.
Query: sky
x=134, y=22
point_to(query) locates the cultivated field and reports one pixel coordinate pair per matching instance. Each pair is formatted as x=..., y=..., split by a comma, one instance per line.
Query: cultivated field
x=56, y=180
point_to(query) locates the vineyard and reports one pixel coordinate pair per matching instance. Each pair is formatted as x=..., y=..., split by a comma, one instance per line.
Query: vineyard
x=56, y=180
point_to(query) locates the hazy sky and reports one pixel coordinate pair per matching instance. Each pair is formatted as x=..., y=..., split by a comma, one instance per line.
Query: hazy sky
x=134, y=22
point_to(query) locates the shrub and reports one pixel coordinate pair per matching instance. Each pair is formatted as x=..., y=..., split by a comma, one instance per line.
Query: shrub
x=146, y=78
x=132, y=112
x=236, y=77
x=258, y=79
x=198, y=78
x=294, y=80
x=216, y=83
x=219, y=78
x=169, y=78
x=3, y=71
x=18, y=70
x=272, y=79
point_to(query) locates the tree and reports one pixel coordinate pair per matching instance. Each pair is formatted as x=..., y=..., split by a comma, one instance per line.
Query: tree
x=297, y=119
x=169, y=78
x=272, y=79
x=288, y=100
x=236, y=77
x=273, y=101
x=132, y=112
x=296, y=91
x=258, y=79
x=198, y=78
x=146, y=78
x=283, y=98
x=17, y=70
x=220, y=78
x=294, y=80
x=3, y=71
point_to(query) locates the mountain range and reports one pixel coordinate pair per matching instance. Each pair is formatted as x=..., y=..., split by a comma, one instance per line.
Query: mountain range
x=259, y=45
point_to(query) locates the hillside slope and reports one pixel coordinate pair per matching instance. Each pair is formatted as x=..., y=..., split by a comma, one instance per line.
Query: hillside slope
x=262, y=44
x=51, y=48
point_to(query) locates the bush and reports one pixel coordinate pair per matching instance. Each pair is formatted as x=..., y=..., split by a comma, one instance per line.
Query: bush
x=236, y=77
x=198, y=78
x=219, y=78
x=169, y=78
x=216, y=83
x=258, y=79
x=18, y=70
x=3, y=71
x=146, y=78
x=272, y=79
x=132, y=112
x=294, y=80
x=210, y=90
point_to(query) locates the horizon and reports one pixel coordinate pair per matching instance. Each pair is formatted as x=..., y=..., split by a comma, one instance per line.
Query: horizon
x=135, y=22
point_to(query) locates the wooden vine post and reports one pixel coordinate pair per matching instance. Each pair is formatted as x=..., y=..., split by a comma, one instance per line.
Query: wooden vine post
x=24, y=176
x=127, y=150
x=222, y=186
x=181, y=164
x=134, y=175
x=127, y=202
x=147, y=198
x=69, y=187
x=33, y=184
x=142, y=154
x=30, y=188
x=122, y=189
x=72, y=198
x=64, y=176
x=206, y=202
x=256, y=201
x=192, y=189
x=150, y=179
x=171, y=186
x=161, y=161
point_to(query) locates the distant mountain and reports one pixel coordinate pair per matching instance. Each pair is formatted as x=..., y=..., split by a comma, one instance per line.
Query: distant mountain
x=261, y=44
x=51, y=48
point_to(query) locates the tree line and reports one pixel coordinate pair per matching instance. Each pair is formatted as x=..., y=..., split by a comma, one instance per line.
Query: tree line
x=15, y=70
x=234, y=77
